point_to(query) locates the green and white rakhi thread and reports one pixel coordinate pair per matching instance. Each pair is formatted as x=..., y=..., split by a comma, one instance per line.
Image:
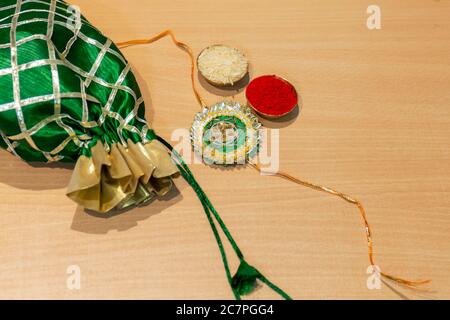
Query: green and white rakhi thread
x=226, y=134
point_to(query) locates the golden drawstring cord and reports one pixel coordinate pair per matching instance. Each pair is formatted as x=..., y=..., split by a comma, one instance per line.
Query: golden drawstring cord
x=283, y=175
x=351, y=200
x=179, y=44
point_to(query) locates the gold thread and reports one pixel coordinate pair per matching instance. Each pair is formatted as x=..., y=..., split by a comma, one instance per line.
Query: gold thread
x=179, y=44
x=362, y=211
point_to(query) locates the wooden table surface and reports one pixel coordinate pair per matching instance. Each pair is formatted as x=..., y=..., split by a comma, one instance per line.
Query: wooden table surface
x=374, y=123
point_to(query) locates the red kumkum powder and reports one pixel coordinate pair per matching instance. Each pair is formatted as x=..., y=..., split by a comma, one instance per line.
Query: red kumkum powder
x=272, y=96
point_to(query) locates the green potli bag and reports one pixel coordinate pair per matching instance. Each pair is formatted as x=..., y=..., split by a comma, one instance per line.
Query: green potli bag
x=68, y=94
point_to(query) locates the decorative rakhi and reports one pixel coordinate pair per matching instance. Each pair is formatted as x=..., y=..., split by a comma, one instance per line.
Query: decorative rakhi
x=68, y=94
x=226, y=134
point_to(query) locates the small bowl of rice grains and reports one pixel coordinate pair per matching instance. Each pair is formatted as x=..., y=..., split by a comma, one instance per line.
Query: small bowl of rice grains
x=222, y=66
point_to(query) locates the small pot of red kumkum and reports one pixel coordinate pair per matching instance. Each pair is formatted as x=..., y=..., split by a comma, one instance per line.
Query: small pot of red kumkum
x=271, y=96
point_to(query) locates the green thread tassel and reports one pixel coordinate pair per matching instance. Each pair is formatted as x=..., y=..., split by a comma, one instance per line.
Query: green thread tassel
x=245, y=280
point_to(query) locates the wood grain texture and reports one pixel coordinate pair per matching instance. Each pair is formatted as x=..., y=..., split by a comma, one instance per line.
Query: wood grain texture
x=375, y=123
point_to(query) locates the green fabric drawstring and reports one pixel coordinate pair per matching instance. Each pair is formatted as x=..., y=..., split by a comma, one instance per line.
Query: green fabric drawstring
x=245, y=279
